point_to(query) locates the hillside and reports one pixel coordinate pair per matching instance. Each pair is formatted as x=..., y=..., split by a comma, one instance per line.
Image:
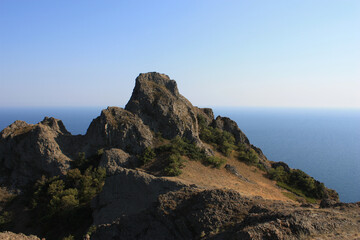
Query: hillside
x=160, y=168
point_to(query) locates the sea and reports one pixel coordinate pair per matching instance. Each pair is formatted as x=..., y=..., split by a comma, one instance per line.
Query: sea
x=325, y=143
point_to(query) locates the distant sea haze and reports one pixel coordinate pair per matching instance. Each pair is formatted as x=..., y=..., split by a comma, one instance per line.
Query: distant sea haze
x=323, y=143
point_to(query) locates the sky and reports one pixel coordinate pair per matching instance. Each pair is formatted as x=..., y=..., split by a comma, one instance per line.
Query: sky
x=258, y=53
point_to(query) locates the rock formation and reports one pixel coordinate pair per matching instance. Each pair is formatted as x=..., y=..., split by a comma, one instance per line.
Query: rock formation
x=157, y=101
x=134, y=204
x=231, y=126
x=128, y=192
x=225, y=214
x=119, y=128
x=28, y=151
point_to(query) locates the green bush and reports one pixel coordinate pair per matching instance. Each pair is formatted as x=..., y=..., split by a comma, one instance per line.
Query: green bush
x=64, y=203
x=278, y=174
x=182, y=147
x=6, y=218
x=249, y=156
x=223, y=141
x=300, y=181
x=82, y=163
x=214, y=161
x=175, y=163
x=148, y=155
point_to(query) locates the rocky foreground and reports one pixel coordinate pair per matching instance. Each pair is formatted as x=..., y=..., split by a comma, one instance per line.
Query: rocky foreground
x=151, y=192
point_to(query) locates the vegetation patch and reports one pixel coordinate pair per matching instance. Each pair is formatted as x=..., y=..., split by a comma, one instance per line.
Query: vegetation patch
x=298, y=183
x=222, y=141
x=172, y=156
x=64, y=203
x=247, y=154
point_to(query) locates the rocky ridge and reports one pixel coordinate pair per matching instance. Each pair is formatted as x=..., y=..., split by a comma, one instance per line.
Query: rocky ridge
x=135, y=204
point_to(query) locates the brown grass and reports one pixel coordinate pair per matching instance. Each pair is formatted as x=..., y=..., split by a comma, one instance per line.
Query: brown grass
x=210, y=178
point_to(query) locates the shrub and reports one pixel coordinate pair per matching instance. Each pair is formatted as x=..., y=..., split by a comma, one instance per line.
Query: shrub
x=223, y=141
x=82, y=163
x=249, y=156
x=148, y=155
x=298, y=182
x=65, y=202
x=175, y=163
x=6, y=218
x=214, y=161
x=278, y=174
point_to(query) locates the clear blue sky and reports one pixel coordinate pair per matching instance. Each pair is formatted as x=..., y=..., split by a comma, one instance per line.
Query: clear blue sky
x=282, y=53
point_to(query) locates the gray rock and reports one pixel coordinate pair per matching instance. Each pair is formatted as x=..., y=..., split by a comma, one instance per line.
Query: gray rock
x=233, y=170
x=226, y=124
x=16, y=236
x=29, y=151
x=114, y=158
x=207, y=114
x=129, y=192
x=118, y=128
x=157, y=101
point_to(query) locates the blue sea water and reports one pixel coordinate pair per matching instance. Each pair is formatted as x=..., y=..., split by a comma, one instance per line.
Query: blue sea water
x=323, y=143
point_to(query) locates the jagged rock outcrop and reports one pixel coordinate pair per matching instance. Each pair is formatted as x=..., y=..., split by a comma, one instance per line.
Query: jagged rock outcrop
x=225, y=214
x=157, y=101
x=16, y=236
x=118, y=128
x=114, y=158
x=226, y=124
x=207, y=114
x=128, y=192
x=28, y=151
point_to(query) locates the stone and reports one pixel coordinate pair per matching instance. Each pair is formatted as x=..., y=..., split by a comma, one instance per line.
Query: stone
x=28, y=151
x=16, y=236
x=128, y=192
x=226, y=124
x=157, y=101
x=114, y=158
x=118, y=128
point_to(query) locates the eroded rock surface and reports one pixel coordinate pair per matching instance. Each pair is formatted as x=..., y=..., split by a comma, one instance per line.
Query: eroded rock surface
x=114, y=158
x=225, y=214
x=231, y=126
x=28, y=151
x=157, y=101
x=16, y=236
x=129, y=192
x=119, y=128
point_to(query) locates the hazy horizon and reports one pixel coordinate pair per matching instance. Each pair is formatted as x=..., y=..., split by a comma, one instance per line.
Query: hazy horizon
x=292, y=54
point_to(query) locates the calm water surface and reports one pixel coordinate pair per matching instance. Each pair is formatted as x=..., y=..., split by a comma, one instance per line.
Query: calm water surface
x=323, y=143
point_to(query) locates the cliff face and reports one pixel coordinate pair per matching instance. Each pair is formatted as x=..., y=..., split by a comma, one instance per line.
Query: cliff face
x=138, y=202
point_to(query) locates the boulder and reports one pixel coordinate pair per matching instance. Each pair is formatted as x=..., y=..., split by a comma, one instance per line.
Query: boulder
x=118, y=128
x=157, y=101
x=28, y=151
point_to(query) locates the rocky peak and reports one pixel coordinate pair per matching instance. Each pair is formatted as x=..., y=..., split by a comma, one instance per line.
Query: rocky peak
x=159, y=79
x=55, y=124
x=16, y=128
x=156, y=100
x=28, y=151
